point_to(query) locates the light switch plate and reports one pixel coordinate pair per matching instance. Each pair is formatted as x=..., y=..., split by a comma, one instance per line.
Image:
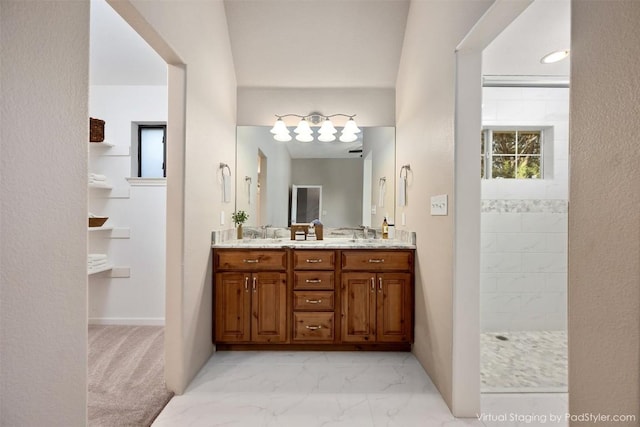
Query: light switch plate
x=439, y=205
x=373, y=209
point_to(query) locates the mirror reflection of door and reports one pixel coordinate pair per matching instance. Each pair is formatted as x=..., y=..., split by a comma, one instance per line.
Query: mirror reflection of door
x=306, y=203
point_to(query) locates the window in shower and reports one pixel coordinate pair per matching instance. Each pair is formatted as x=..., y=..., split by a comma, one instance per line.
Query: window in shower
x=511, y=153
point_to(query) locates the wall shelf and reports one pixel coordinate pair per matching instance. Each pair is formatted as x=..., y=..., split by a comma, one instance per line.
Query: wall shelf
x=103, y=228
x=101, y=144
x=91, y=271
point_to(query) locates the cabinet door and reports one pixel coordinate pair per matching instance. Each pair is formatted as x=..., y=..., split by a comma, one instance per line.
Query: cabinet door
x=394, y=307
x=358, y=307
x=269, y=307
x=232, y=307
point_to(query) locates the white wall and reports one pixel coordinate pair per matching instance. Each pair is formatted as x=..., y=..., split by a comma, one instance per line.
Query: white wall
x=373, y=106
x=138, y=299
x=381, y=140
x=191, y=35
x=250, y=139
x=341, y=181
x=425, y=105
x=43, y=203
x=604, y=219
x=524, y=222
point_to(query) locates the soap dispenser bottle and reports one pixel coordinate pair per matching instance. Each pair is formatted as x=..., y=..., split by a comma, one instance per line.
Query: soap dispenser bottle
x=385, y=228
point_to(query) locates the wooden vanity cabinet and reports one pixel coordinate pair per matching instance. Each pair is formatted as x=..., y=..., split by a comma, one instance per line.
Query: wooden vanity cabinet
x=250, y=306
x=313, y=298
x=377, y=305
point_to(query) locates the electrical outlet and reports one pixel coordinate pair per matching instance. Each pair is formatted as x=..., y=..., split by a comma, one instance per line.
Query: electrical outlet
x=439, y=205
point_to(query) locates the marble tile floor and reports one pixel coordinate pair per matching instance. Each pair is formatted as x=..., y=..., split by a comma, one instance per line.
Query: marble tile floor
x=528, y=361
x=306, y=389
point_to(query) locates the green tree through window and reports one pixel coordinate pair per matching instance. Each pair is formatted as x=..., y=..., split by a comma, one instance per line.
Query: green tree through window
x=511, y=154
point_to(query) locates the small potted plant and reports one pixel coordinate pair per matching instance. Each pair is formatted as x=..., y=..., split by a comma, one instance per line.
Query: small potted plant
x=239, y=218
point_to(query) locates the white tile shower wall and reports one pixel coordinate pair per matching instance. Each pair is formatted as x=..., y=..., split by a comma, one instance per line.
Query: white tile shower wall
x=523, y=280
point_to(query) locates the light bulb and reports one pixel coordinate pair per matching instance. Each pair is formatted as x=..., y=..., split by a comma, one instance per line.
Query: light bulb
x=282, y=137
x=304, y=137
x=327, y=128
x=350, y=126
x=303, y=127
x=326, y=137
x=347, y=137
x=556, y=56
x=279, y=127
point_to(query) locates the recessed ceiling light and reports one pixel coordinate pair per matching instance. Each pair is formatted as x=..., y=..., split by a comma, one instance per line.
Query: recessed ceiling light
x=556, y=56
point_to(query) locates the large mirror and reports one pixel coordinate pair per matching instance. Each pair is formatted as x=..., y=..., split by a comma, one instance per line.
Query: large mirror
x=357, y=178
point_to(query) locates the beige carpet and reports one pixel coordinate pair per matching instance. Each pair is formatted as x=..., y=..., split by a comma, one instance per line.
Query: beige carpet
x=126, y=375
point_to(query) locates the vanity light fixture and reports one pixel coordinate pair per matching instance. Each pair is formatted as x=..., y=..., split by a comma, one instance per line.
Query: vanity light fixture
x=556, y=56
x=304, y=133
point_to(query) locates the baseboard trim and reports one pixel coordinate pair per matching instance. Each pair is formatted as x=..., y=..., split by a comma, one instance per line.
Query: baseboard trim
x=147, y=321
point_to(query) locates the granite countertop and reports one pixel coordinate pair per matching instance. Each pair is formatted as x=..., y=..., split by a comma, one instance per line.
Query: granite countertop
x=329, y=243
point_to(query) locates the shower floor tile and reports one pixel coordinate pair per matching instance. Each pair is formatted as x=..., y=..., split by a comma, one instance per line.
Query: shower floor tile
x=527, y=361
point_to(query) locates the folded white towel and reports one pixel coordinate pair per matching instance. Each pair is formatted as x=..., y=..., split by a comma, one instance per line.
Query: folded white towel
x=402, y=191
x=100, y=264
x=226, y=188
x=97, y=177
x=96, y=257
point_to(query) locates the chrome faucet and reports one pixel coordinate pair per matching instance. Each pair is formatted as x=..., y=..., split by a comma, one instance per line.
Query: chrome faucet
x=264, y=230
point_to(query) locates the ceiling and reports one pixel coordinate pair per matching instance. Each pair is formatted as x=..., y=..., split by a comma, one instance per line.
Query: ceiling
x=544, y=27
x=118, y=55
x=316, y=43
x=323, y=44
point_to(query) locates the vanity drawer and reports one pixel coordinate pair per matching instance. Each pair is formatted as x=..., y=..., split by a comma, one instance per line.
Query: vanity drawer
x=313, y=326
x=250, y=260
x=314, y=260
x=313, y=280
x=313, y=300
x=377, y=260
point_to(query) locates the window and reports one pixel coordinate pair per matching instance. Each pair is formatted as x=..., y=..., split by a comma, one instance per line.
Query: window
x=152, y=152
x=511, y=153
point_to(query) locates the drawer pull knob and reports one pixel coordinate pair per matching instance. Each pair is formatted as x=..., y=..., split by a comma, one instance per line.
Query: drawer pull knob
x=313, y=328
x=314, y=260
x=251, y=261
x=313, y=301
x=376, y=261
x=313, y=281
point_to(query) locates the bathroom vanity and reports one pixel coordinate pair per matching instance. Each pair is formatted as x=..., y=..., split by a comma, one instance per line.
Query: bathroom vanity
x=332, y=295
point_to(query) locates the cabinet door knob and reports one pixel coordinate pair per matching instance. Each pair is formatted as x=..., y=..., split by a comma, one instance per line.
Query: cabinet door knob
x=314, y=260
x=246, y=283
x=313, y=281
x=251, y=261
x=313, y=301
x=376, y=260
x=254, y=284
x=373, y=284
x=313, y=328
x=380, y=284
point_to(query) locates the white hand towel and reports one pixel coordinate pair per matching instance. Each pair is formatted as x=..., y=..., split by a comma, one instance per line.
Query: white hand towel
x=97, y=177
x=382, y=184
x=226, y=188
x=402, y=191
